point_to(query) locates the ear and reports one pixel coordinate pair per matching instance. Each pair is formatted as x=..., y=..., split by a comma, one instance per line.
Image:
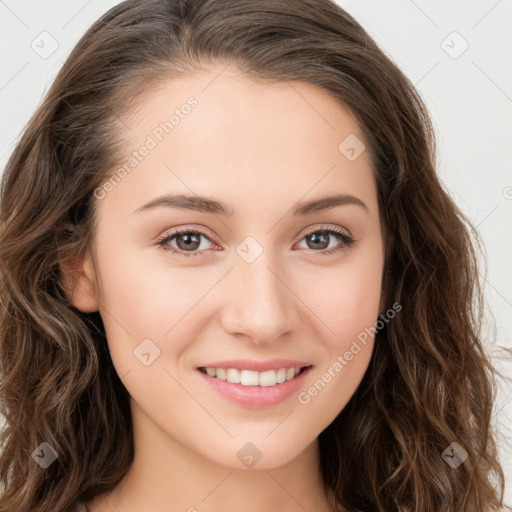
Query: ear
x=79, y=282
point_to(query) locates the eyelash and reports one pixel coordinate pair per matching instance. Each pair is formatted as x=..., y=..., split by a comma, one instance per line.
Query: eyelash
x=346, y=239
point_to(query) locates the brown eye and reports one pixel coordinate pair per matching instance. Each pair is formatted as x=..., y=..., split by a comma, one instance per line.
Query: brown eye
x=186, y=240
x=318, y=241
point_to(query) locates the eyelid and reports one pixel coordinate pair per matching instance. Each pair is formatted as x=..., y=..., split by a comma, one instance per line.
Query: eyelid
x=186, y=229
x=325, y=227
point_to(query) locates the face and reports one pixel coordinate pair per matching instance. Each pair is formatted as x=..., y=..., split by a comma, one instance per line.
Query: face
x=254, y=274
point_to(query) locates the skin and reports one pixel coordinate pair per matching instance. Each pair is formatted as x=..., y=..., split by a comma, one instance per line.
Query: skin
x=260, y=148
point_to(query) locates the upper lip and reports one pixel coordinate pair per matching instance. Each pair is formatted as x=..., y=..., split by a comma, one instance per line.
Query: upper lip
x=258, y=366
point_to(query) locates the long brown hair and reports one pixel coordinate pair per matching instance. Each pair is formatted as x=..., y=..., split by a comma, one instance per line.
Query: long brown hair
x=429, y=383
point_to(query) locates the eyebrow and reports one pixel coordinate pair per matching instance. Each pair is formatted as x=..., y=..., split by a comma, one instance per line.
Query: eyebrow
x=208, y=205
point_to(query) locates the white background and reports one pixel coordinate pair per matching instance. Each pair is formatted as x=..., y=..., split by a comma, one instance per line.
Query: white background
x=469, y=95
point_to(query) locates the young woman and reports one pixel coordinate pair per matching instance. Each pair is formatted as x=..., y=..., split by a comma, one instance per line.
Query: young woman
x=230, y=278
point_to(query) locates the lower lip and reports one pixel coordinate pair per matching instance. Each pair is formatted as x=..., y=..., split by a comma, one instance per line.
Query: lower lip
x=256, y=396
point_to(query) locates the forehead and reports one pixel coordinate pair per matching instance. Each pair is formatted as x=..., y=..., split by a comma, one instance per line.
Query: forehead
x=219, y=133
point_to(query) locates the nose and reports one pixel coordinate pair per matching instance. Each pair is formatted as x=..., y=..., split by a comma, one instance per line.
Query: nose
x=258, y=303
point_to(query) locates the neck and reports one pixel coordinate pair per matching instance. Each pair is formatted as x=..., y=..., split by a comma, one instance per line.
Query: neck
x=168, y=477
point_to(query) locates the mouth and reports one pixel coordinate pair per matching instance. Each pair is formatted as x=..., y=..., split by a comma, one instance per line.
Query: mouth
x=268, y=378
x=252, y=388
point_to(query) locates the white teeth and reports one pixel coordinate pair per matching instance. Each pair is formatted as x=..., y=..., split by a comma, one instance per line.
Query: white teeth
x=281, y=375
x=253, y=378
x=268, y=378
x=249, y=378
x=233, y=375
x=290, y=373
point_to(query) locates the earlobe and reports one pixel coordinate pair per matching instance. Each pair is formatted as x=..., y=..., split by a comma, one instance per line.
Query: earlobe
x=79, y=283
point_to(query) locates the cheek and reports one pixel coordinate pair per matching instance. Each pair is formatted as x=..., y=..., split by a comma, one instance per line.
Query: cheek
x=143, y=301
x=345, y=302
x=142, y=293
x=135, y=302
x=346, y=299
x=346, y=312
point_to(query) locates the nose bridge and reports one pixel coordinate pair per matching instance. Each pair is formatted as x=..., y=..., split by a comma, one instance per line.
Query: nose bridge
x=259, y=304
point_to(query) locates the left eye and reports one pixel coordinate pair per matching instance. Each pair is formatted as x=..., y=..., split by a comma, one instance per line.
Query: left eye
x=189, y=242
x=322, y=236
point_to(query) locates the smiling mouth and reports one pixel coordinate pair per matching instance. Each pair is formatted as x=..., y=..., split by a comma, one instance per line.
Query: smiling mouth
x=253, y=378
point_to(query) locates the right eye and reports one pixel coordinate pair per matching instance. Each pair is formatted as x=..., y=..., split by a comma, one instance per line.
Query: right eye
x=187, y=238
